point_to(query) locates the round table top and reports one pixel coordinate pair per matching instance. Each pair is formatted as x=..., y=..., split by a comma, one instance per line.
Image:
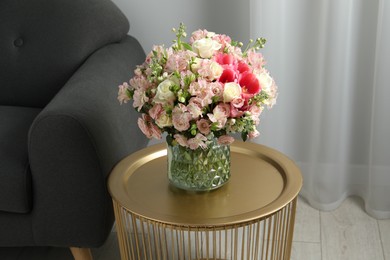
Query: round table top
x=262, y=181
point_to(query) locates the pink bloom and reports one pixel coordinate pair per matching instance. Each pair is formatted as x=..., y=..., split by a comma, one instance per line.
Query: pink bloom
x=203, y=126
x=217, y=89
x=256, y=60
x=181, y=140
x=220, y=114
x=155, y=110
x=194, y=107
x=194, y=88
x=197, y=141
x=210, y=69
x=140, y=83
x=224, y=59
x=122, y=93
x=249, y=83
x=243, y=67
x=237, y=102
x=234, y=112
x=155, y=131
x=181, y=118
x=197, y=35
x=178, y=61
x=204, y=92
x=143, y=124
x=139, y=99
x=223, y=39
x=253, y=134
x=228, y=75
x=225, y=140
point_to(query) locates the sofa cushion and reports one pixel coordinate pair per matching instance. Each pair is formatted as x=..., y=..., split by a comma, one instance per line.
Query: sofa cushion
x=15, y=175
x=43, y=42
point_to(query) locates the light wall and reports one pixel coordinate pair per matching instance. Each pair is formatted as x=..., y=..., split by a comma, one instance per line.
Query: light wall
x=151, y=21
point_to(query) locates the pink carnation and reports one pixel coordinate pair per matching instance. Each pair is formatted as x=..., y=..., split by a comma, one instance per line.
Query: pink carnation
x=140, y=99
x=181, y=140
x=155, y=131
x=155, y=111
x=143, y=124
x=195, y=107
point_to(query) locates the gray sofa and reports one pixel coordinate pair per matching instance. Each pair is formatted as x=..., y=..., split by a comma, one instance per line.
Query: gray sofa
x=61, y=127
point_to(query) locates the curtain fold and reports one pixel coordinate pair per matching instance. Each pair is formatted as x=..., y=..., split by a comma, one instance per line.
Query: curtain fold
x=331, y=62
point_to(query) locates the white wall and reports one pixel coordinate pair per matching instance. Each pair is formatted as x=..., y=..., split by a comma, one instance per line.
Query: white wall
x=151, y=21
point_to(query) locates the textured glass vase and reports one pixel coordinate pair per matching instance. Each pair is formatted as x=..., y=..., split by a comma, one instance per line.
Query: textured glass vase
x=200, y=169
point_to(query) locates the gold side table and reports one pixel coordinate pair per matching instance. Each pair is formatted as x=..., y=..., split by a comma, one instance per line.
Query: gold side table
x=250, y=217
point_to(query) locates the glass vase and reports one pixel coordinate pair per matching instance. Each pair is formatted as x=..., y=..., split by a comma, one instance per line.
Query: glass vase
x=200, y=169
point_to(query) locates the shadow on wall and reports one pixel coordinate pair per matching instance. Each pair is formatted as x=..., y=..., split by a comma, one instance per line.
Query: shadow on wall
x=151, y=21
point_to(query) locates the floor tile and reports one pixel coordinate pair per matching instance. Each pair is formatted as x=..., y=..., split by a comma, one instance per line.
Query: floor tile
x=348, y=233
x=384, y=228
x=306, y=251
x=307, y=223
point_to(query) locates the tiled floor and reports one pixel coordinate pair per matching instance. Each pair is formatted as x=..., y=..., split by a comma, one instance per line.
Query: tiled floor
x=346, y=233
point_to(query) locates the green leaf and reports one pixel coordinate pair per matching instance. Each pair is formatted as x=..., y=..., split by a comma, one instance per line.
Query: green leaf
x=244, y=136
x=186, y=46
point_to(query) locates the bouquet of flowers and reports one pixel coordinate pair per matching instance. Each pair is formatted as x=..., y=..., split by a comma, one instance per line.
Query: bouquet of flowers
x=206, y=87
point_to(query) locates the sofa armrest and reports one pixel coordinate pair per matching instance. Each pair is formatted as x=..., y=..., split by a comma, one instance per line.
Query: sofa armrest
x=75, y=142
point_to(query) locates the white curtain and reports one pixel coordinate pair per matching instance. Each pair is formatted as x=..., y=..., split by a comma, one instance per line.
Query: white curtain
x=331, y=61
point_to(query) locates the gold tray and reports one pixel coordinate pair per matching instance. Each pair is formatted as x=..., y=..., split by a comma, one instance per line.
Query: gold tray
x=262, y=182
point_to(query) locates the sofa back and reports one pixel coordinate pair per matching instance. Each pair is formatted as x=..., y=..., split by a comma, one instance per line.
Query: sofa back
x=43, y=42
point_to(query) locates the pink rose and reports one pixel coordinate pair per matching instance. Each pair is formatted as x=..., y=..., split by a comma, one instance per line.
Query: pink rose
x=203, y=126
x=225, y=140
x=237, y=102
x=217, y=89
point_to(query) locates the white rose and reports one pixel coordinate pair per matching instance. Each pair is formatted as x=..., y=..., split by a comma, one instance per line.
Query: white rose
x=196, y=65
x=205, y=47
x=164, y=94
x=215, y=70
x=164, y=120
x=265, y=81
x=231, y=91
